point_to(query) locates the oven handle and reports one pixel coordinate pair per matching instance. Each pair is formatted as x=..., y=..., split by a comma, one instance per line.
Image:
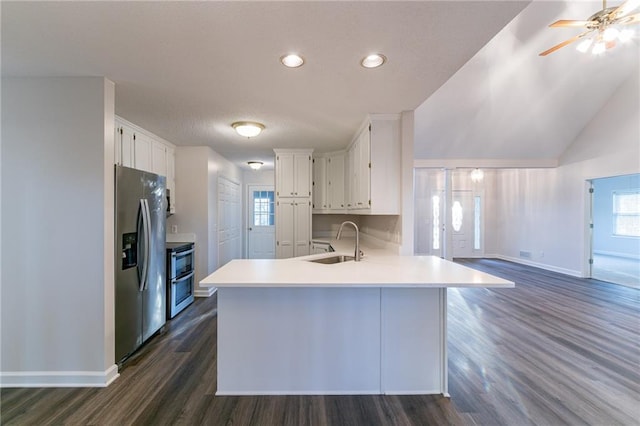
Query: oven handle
x=182, y=253
x=186, y=277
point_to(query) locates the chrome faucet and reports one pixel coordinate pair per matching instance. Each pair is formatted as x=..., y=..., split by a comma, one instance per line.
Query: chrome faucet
x=357, y=254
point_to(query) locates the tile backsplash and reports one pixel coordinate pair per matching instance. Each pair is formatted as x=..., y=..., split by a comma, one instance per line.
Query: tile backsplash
x=386, y=228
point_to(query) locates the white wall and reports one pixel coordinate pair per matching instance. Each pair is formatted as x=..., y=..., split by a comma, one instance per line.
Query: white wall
x=544, y=211
x=197, y=172
x=57, y=232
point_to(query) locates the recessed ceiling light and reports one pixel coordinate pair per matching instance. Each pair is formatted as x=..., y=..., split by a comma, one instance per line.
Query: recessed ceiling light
x=373, y=61
x=292, y=60
x=248, y=129
x=255, y=165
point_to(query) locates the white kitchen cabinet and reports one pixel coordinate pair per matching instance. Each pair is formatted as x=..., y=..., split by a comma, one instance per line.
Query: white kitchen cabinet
x=142, y=159
x=319, y=183
x=142, y=150
x=171, y=177
x=374, y=183
x=329, y=183
x=124, y=145
x=158, y=158
x=293, y=202
x=293, y=227
x=335, y=181
x=293, y=173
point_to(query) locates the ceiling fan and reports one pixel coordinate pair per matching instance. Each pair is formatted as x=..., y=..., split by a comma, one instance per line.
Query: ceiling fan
x=603, y=28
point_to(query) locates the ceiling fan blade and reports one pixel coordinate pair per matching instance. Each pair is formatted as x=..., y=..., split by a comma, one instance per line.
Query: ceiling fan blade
x=570, y=23
x=563, y=44
x=626, y=20
x=625, y=8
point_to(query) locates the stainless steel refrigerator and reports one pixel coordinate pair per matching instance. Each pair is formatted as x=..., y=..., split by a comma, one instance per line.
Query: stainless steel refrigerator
x=140, y=294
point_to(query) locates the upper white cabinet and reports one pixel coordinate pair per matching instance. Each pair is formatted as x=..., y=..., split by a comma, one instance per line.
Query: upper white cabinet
x=142, y=150
x=319, y=183
x=293, y=202
x=293, y=173
x=329, y=183
x=374, y=183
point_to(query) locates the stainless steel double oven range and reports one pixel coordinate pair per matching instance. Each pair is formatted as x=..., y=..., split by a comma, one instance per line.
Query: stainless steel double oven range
x=180, y=277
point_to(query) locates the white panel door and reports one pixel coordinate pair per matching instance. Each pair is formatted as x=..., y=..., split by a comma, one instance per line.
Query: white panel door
x=159, y=158
x=302, y=175
x=462, y=223
x=285, y=229
x=284, y=179
x=302, y=231
x=229, y=222
x=364, y=177
x=126, y=150
x=319, y=183
x=335, y=182
x=142, y=152
x=261, y=213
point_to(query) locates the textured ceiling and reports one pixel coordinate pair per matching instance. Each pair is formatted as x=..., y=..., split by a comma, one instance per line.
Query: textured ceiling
x=187, y=70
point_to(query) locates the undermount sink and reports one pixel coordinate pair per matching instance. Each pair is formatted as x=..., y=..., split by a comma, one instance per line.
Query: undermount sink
x=333, y=259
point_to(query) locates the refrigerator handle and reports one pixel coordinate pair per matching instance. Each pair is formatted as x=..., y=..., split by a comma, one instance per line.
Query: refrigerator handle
x=144, y=213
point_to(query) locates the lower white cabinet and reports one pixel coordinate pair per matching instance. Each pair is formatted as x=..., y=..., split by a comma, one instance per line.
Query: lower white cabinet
x=293, y=227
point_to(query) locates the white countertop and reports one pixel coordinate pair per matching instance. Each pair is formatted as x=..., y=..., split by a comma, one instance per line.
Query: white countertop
x=378, y=268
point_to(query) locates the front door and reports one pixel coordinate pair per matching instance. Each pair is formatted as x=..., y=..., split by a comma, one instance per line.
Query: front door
x=262, y=236
x=462, y=223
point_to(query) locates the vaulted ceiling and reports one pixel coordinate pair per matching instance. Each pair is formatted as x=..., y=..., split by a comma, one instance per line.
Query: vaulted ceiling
x=186, y=70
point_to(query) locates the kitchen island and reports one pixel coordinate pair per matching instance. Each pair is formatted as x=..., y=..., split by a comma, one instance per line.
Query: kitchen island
x=377, y=326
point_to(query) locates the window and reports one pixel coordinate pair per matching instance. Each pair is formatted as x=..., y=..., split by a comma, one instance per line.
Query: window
x=476, y=222
x=263, y=211
x=626, y=213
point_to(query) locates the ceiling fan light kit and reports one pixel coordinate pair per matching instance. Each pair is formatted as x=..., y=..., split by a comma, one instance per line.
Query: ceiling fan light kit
x=603, y=29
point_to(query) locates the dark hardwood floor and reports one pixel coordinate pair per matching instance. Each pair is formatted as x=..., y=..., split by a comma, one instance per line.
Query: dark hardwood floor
x=553, y=350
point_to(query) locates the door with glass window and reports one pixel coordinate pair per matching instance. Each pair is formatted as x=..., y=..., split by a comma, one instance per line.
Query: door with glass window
x=262, y=237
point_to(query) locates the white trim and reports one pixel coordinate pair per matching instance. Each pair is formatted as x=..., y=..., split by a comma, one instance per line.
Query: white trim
x=487, y=163
x=544, y=266
x=58, y=379
x=298, y=392
x=414, y=392
x=204, y=291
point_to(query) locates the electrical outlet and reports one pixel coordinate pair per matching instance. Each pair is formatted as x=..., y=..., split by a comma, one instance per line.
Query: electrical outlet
x=174, y=229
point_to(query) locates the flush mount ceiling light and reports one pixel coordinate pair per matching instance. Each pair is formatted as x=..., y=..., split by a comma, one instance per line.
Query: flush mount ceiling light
x=292, y=60
x=255, y=165
x=373, y=61
x=248, y=129
x=477, y=175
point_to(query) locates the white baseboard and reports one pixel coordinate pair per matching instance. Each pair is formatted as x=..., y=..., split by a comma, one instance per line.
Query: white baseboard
x=204, y=291
x=551, y=268
x=285, y=392
x=58, y=379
